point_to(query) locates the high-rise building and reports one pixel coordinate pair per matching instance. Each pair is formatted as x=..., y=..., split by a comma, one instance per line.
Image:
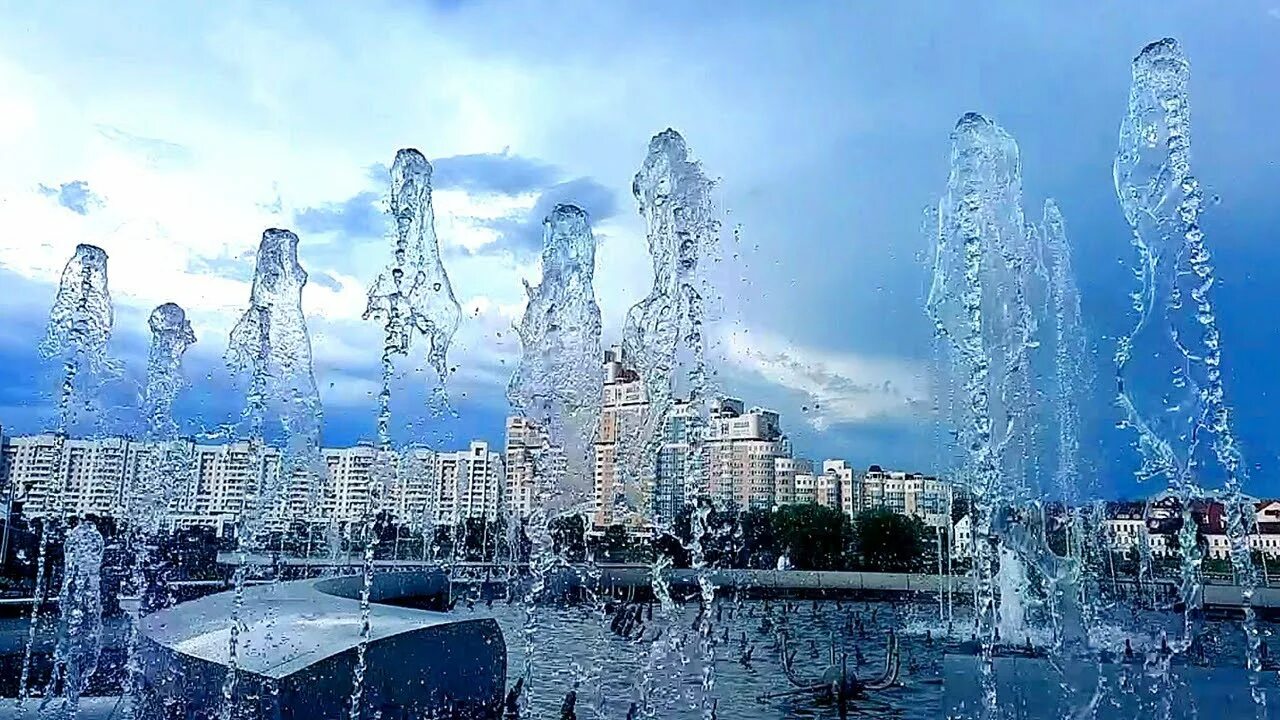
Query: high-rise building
x=415, y=487
x=469, y=485
x=622, y=414
x=842, y=486
x=785, y=470
x=32, y=466
x=914, y=494
x=678, y=469
x=740, y=449
x=526, y=443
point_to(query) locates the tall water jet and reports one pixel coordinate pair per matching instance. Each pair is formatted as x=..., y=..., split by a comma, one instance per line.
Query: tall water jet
x=79, y=643
x=77, y=334
x=558, y=386
x=1169, y=366
x=665, y=338
x=1070, y=382
x=976, y=301
x=412, y=297
x=148, y=500
x=270, y=349
x=171, y=335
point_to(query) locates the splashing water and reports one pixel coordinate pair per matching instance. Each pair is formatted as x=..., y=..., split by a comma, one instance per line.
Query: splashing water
x=78, y=331
x=411, y=297
x=976, y=302
x=1178, y=412
x=79, y=644
x=270, y=345
x=558, y=386
x=147, y=502
x=171, y=335
x=664, y=335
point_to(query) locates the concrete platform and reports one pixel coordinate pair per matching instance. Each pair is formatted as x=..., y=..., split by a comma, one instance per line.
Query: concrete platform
x=297, y=652
x=91, y=708
x=1033, y=689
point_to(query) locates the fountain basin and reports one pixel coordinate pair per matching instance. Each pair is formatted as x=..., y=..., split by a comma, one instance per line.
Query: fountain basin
x=297, y=652
x=1031, y=688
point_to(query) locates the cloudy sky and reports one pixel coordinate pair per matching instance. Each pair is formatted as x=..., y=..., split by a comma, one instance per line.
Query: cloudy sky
x=172, y=134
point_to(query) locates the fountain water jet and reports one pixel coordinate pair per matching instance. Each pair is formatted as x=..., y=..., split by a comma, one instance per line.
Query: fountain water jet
x=557, y=386
x=270, y=345
x=77, y=335
x=412, y=297
x=1178, y=412
x=148, y=500
x=79, y=644
x=665, y=338
x=991, y=284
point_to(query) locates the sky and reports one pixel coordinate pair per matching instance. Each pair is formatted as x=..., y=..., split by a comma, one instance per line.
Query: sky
x=173, y=134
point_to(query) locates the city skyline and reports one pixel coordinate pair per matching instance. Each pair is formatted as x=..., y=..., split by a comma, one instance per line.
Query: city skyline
x=839, y=346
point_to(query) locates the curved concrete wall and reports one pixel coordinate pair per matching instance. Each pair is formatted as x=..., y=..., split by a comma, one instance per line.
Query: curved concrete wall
x=297, y=648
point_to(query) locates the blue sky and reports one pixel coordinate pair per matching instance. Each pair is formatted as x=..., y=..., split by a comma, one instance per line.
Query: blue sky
x=173, y=134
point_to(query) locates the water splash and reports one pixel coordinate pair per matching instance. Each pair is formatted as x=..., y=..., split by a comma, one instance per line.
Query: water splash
x=78, y=331
x=973, y=303
x=665, y=339
x=270, y=345
x=1177, y=412
x=79, y=644
x=162, y=461
x=79, y=328
x=171, y=335
x=412, y=297
x=557, y=386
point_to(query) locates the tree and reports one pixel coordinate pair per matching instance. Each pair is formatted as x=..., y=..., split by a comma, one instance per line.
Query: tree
x=812, y=536
x=759, y=546
x=568, y=537
x=889, y=542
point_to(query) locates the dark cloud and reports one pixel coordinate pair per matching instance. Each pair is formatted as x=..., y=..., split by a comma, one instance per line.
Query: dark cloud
x=324, y=280
x=501, y=173
x=523, y=233
x=497, y=173
x=358, y=216
x=74, y=196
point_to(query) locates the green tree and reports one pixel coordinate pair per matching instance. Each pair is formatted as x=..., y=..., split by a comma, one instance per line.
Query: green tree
x=889, y=542
x=812, y=536
x=568, y=537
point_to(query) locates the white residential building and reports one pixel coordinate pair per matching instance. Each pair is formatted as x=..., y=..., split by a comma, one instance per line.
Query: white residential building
x=741, y=448
x=785, y=470
x=470, y=484
x=525, y=445
x=624, y=404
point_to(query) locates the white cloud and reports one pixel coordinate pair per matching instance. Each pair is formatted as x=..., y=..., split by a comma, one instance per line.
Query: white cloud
x=842, y=388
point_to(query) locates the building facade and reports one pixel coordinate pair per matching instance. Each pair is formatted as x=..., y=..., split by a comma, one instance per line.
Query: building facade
x=621, y=483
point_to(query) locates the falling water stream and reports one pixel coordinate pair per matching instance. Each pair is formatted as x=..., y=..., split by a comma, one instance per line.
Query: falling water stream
x=146, y=504
x=666, y=341
x=79, y=643
x=411, y=297
x=557, y=386
x=270, y=345
x=79, y=327
x=1169, y=365
x=995, y=280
